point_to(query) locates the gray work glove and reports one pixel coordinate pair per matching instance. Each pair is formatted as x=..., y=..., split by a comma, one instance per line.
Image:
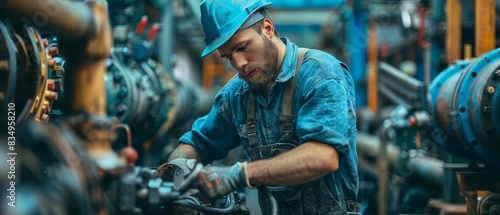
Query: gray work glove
x=216, y=181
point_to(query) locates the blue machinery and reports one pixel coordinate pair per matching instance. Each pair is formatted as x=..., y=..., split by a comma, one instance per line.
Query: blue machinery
x=438, y=149
x=69, y=165
x=459, y=114
x=466, y=106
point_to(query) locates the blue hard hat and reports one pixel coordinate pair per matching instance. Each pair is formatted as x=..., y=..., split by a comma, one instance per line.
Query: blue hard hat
x=221, y=19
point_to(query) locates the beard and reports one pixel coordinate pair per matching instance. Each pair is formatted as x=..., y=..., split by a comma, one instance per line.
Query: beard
x=268, y=72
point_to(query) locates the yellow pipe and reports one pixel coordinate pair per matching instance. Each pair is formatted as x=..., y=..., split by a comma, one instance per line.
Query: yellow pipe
x=485, y=26
x=86, y=66
x=467, y=52
x=454, y=32
x=372, y=68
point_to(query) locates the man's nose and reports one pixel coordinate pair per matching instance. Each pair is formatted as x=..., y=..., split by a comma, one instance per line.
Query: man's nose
x=239, y=61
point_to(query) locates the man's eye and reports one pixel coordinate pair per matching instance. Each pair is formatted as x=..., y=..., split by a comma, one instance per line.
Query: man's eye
x=243, y=47
x=227, y=57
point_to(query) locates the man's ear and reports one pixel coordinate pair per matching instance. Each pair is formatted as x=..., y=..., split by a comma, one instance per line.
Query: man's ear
x=268, y=28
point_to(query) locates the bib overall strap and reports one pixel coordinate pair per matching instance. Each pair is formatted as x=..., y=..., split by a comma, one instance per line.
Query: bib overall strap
x=251, y=127
x=285, y=118
x=286, y=109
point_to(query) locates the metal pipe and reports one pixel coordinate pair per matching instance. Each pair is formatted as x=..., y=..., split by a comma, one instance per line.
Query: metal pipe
x=383, y=166
x=369, y=145
x=86, y=66
x=194, y=102
x=427, y=63
x=388, y=72
x=372, y=77
x=167, y=36
x=72, y=21
x=454, y=30
x=86, y=94
x=468, y=181
x=428, y=168
x=86, y=44
x=394, y=97
x=485, y=25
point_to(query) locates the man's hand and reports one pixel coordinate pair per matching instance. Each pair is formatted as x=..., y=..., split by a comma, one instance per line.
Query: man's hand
x=214, y=181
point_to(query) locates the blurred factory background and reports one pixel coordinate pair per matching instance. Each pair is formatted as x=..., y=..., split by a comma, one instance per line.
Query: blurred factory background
x=94, y=94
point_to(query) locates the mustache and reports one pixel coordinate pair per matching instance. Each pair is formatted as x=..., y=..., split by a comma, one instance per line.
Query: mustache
x=245, y=71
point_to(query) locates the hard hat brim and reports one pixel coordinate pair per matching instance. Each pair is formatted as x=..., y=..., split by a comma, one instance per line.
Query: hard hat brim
x=217, y=43
x=223, y=39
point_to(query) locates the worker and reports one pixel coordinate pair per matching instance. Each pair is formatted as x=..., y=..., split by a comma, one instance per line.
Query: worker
x=292, y=109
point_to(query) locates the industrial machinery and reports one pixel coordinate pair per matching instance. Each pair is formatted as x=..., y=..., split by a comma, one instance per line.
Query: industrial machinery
x=103, y=103
x=90, y=108
x=437, y=151
x=429, y=143
x=466, y=123
x=140, y=92
x=56, y=168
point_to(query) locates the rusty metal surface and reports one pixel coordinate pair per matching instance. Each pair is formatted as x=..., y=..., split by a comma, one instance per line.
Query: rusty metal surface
x=85, y=68
x=69, y=20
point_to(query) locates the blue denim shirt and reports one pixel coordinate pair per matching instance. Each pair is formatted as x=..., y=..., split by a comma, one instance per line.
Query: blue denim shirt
x=323, y=110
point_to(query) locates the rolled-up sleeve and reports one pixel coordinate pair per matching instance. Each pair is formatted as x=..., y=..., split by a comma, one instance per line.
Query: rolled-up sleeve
x=213, y=135
x=324, y=115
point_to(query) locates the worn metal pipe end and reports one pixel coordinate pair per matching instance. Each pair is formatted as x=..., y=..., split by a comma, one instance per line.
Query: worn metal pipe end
x=68, y=20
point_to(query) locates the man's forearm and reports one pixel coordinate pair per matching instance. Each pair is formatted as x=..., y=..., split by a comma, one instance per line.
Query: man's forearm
x=184, y=151
x=305, y=163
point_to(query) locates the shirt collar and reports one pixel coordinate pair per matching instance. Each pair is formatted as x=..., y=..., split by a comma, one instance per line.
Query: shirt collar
x=287, y=68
